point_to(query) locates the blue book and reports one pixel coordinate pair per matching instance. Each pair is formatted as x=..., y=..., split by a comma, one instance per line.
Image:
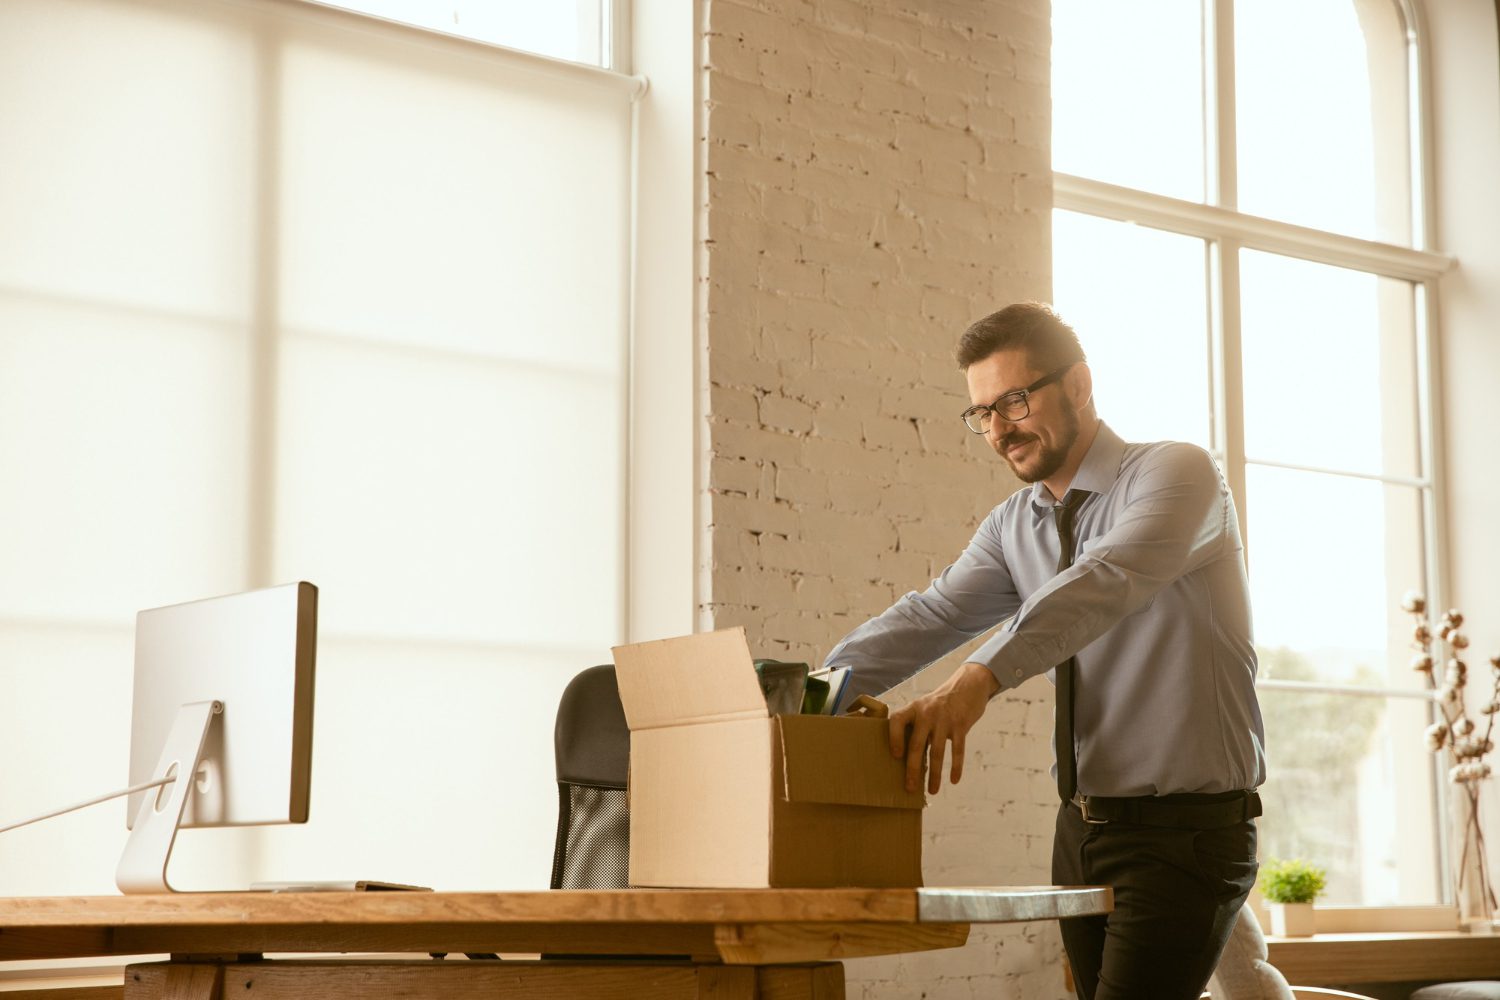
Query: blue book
x=837, y=679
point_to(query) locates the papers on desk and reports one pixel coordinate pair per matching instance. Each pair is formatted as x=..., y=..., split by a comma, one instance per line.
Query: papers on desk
x=337, y=885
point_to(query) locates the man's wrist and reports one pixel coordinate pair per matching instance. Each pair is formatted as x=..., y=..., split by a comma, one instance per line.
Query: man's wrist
x=982, y=676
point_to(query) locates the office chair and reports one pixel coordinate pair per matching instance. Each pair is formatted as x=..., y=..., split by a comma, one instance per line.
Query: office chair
x=592, y=743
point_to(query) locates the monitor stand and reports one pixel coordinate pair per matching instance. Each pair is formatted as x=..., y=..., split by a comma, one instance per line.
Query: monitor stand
x=143, y=865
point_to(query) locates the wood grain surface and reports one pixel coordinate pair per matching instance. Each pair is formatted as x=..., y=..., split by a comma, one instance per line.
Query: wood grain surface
x=1333, y=959
x=456, y=980
x=634, y=921
x=482, y=979
x=761, y=944
x=770, y=943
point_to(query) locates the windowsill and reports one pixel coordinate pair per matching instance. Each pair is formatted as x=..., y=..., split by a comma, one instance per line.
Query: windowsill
x=1335, y=959
x=1372, y=919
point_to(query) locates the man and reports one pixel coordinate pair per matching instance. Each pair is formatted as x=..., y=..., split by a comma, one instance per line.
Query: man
x=1122, y=568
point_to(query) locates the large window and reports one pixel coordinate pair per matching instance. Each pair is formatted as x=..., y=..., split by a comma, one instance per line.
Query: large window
x=291, y=294
x=1237, y=240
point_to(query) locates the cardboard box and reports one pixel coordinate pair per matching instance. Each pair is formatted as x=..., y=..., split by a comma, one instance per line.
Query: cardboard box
x=722, y=795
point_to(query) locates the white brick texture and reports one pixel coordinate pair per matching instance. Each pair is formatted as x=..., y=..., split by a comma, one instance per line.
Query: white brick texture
x=876, y=177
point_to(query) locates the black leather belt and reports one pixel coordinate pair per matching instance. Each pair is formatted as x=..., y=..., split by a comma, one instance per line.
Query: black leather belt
x=1185, y=811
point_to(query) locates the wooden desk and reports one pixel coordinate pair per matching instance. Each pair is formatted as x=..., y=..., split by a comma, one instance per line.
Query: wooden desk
x=1331, y=959
x=742, y=944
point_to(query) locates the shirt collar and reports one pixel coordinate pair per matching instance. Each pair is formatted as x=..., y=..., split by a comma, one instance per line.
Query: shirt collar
x=1096, y=473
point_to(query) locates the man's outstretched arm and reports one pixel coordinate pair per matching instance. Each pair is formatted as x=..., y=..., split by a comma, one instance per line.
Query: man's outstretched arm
x=1173, y=522
x=968, y=598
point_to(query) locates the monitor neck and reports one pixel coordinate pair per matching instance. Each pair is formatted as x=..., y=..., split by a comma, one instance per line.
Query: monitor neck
x=143, y=865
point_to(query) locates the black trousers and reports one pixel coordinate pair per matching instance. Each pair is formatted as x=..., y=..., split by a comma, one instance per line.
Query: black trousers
x=1177, y=893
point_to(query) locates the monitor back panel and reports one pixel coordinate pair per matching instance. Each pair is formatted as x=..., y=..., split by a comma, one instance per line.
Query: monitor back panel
x=255, y=653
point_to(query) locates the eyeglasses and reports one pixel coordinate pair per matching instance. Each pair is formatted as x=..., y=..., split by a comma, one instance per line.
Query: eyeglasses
x=1012, y=406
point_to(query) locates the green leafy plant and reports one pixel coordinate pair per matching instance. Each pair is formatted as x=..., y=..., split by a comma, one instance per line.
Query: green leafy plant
x=1292, y=881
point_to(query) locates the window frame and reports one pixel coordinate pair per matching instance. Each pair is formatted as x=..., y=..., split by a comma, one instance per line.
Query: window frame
x=1226, y=231
x=615, y=43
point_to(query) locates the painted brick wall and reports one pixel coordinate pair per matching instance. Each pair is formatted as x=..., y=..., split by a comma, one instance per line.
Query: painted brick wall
x=876, y=178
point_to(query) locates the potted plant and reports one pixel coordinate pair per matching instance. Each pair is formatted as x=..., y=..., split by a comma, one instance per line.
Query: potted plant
x=1289, y=888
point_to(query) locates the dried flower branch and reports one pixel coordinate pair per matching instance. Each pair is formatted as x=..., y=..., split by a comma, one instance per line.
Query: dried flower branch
x=1456, y=731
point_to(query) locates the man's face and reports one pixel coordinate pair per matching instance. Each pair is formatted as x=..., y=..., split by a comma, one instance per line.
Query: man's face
x=1035, y=447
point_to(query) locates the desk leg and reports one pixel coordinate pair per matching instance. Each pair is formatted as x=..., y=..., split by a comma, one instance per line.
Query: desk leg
x=824, y=981
x=483, y=980
x=174, y=981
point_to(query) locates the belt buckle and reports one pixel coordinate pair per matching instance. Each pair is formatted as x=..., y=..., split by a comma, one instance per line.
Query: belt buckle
x=1082, y=802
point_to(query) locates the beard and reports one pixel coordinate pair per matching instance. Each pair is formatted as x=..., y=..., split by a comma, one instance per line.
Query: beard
x=1047, y=460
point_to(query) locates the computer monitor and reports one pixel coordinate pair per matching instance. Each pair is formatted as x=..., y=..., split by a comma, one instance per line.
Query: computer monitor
x=223, y=693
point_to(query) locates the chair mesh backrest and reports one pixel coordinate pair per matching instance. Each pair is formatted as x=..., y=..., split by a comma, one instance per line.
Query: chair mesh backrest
x=593, y=759
x=594, y=842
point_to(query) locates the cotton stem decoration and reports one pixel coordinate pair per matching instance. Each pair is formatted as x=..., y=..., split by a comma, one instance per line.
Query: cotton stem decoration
x=1439, y=657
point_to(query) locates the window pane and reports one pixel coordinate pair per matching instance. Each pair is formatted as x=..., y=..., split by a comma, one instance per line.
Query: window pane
x=1127, y=94
x=1350, y=787
x=572, y=31
x=1330, y=368
x=1137, y=298
x=428, y=442
x=1320, y=99
x=132, y=431
x=1329, y=558
x=422, y=389
x=125, y=210
x=404, y=225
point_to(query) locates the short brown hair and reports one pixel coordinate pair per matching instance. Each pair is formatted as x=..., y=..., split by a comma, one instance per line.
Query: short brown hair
x=1034, y=327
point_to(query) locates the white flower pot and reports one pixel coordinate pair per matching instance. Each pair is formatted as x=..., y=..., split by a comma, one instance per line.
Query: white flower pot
x=1292, y=919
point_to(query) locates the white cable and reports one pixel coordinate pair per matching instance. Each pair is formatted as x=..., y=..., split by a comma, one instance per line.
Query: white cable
x=91, y=802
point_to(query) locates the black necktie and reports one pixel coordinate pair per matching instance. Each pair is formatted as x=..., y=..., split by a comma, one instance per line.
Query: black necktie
x=1067, y=760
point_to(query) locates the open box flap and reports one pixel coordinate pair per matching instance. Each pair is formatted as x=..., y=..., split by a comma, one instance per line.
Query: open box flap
x=691, y=679
x=844, y=761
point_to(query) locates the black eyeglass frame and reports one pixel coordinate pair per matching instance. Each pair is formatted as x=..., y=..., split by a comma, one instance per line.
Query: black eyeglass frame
x=1023, y=396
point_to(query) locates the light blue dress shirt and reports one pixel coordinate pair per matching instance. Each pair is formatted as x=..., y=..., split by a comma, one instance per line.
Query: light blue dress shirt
x=1156, y=607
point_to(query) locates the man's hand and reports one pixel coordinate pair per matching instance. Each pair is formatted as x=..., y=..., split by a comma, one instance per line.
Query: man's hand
x=933, y=720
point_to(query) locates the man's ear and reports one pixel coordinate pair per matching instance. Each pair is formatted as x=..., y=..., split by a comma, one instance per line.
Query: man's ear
x=1079, y=382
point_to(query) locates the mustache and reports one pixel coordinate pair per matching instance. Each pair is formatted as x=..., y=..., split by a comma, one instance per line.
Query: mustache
x=1013, y=439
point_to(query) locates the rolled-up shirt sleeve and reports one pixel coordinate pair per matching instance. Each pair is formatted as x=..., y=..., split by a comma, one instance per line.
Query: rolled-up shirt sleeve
x=969, y=598
x=1172, y=522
